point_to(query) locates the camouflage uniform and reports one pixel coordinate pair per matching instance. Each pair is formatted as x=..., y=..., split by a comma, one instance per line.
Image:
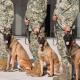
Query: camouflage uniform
x=6, y=13
x=67, y=11
x=36, y=13
x=6, y=19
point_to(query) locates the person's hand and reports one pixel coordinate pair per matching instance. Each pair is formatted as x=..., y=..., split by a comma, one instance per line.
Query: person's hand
x=54, y=18
x=26, y=21
x=66, y=29
x=36, y=30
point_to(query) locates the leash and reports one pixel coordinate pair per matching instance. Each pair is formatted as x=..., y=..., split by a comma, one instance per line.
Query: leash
x=26, y=34
x=57, y=27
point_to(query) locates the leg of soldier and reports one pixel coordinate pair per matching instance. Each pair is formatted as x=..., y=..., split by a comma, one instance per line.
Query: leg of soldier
x=67, y=11
x=6, y=19
x=62, y=51
x=36, y=13
x=8, y=61
x=33, y=45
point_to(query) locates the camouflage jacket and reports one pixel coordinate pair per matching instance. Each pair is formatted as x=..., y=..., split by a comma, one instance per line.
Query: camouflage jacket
x=67, y=11
x=6, y=13
x=6, y=19
x=36, y=12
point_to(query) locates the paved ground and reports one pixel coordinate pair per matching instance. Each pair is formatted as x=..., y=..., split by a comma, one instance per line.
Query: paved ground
x=21, y=75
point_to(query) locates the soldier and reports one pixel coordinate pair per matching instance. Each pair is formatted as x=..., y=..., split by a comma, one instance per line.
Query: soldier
x=6, y=19
x=64, y=15
x=36, y=13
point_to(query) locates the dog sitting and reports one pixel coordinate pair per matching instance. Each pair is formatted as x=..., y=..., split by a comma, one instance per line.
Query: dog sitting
x=16, y=53
x=75, y=57
x=19, y=53
x=74, y=54
x=47, y=55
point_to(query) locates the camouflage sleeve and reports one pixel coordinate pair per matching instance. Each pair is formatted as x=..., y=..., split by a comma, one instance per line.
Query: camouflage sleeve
x=9, y=12
x=67, y=11
x=6, y=13
x=36, y=12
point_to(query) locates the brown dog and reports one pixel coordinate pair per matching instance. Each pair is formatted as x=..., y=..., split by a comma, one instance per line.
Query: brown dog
x=75, y=57
x=47, y=55
x=18, y=54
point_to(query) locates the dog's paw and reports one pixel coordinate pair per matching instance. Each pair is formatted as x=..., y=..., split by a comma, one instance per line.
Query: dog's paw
x=50, y=74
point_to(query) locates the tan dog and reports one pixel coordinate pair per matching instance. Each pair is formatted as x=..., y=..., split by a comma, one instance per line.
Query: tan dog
x=75, y=56
x=47, y=55
x=18, y=54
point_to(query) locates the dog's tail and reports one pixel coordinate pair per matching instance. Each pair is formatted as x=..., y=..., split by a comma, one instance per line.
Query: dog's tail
x=36, y=70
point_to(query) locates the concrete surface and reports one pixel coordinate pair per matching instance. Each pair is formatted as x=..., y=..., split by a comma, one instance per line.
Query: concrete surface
x=20, y=76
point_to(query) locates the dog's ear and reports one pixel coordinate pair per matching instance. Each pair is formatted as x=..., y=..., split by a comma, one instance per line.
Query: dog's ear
x=73, y=42
x=46, y=43
x=12, y=36
x=13, y=39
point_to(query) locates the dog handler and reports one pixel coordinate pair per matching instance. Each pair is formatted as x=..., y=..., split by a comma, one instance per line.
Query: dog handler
x=64, y=15
x=36, y=13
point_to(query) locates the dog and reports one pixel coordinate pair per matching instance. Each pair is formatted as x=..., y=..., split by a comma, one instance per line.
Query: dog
x=47, y=55
x=19, y=53
x=75, y=58
x=16, y=53
x=74, y=54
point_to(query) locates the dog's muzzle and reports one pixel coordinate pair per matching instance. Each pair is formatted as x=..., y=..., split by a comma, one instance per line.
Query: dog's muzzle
x=41, y=40
x=7, y=39
x=68, y=39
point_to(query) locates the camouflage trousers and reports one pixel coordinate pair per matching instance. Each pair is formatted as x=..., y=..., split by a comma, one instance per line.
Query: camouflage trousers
x=6, y=20
x=62, y=51
x=33, y=45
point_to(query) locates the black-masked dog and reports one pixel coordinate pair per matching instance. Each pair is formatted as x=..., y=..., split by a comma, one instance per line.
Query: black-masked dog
x=74, y=53
x=16, y=52
x=47, y=55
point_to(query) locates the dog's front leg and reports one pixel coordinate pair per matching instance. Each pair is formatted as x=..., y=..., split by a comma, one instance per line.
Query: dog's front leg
x=77, y=70
x=41, y=64
x=50, y=70
x=8, y=61
x=13, y=58
x=13, y=62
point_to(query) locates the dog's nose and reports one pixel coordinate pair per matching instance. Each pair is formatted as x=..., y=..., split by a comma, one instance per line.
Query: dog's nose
x=41, y=38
